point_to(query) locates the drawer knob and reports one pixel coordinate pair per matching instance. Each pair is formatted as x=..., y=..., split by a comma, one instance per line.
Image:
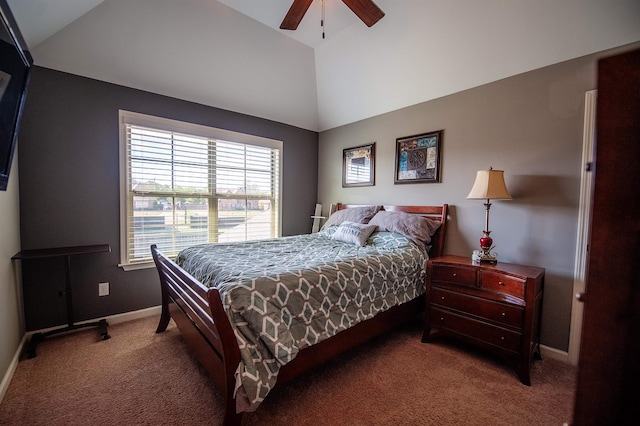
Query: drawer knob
x=441, y=319
x=455, y=275
x=442, y=298
x=504, y=314
x=501, y=283
x=502, y=338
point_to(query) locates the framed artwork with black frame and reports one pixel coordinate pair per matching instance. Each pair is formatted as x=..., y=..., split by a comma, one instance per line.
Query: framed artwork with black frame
x=358, y=166
x=418, y=158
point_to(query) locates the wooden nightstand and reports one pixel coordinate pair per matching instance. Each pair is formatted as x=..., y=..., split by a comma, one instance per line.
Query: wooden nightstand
x=495, y=306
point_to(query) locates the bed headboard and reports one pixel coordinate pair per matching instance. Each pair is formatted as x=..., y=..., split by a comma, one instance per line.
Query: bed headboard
x=433, y=212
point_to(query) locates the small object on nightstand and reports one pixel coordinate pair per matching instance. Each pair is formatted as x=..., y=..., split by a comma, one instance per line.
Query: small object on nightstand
x=497, y=307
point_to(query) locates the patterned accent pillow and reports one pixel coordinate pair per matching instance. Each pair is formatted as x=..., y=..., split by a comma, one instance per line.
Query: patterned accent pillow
x=417, y=228
x=355, y=214
x=353, y=233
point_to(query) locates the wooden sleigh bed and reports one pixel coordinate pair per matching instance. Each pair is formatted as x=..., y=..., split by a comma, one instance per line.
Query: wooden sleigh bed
x=205, y=327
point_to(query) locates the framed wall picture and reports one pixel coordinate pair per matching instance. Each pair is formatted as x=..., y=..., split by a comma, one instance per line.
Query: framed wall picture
x=418, y=158
x=358, y=166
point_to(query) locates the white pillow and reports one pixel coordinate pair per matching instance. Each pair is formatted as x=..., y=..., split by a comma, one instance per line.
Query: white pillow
x=353, y=233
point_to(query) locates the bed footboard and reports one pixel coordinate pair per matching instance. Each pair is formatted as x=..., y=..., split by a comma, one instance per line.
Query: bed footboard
x=203, y=324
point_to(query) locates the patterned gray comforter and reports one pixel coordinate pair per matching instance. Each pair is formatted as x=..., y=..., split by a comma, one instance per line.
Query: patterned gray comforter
x=282, y=295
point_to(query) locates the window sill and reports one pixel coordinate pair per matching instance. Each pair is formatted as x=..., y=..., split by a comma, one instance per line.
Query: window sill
x=136, y=266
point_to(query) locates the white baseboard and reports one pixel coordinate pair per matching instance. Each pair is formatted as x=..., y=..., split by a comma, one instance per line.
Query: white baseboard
x=113, y=319
x=549, y=352
x=12, y=369
x=128, y=316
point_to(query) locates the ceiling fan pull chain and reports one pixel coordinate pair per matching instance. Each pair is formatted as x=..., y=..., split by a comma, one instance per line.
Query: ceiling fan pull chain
x=322, y=20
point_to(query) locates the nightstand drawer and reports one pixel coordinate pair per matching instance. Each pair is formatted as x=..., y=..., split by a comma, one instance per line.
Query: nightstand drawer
x=510, y=315
x=476, y=330
x=454, y=274
x=502, y=283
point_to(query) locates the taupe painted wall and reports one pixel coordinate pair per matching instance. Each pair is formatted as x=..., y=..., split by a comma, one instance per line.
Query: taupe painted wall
x=69, y=188
x=531, y=127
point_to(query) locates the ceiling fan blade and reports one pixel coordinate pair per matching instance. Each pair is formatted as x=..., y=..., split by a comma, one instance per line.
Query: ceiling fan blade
x=366, y=10
x=295, y=14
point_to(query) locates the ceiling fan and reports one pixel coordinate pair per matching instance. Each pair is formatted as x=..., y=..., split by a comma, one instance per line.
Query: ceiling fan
x=366, y=10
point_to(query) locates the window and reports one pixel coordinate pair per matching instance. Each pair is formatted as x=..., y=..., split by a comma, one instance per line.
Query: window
x=185, y=184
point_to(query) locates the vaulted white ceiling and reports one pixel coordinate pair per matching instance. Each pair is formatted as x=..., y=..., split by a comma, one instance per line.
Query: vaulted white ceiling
x=230, y=53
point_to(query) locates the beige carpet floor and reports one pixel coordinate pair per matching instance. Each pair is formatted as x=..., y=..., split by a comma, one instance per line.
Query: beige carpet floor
x=142, y=378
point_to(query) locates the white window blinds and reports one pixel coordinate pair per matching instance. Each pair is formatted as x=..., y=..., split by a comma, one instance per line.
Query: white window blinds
x=184, y=189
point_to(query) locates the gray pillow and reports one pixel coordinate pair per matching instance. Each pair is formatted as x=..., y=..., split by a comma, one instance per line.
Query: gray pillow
x=353, y=233
x=418, y=229
x=355, y=214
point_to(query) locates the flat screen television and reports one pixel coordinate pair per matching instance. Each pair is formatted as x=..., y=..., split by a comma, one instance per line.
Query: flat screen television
x=15, y=68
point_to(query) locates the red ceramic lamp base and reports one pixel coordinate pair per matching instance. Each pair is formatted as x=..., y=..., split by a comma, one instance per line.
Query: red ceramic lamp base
x=486, y=245
x=486, y=242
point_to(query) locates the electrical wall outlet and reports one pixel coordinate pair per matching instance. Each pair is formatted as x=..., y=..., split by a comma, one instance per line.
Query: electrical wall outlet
x=103, y=289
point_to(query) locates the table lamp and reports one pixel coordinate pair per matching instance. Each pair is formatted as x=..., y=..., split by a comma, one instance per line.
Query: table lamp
x=489, y=184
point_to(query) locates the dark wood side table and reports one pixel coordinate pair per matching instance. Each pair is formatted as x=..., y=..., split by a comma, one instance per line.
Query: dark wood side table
x=65, y=252
x=495, y=306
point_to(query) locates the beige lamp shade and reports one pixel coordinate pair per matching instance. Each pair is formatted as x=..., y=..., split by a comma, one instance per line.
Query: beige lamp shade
x=489, y=184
